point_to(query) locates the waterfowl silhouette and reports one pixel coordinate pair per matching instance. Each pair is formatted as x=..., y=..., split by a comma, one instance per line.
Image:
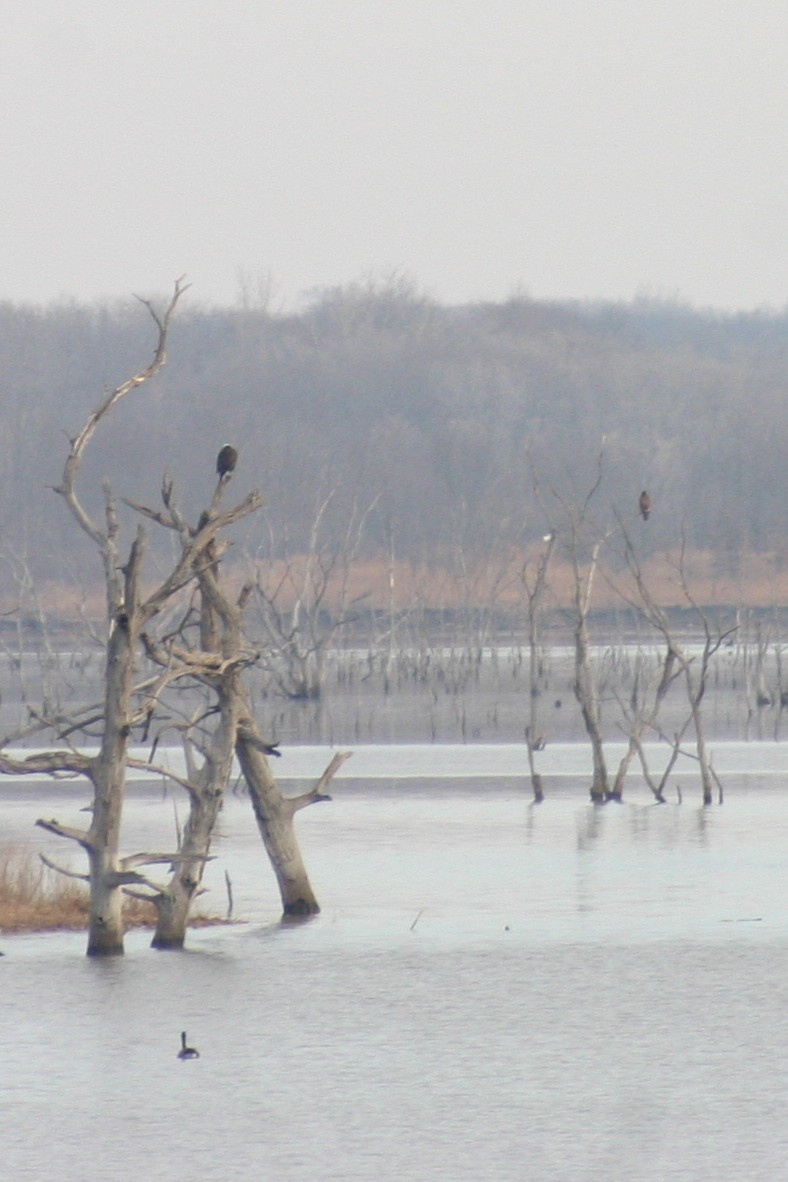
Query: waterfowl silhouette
x=187, y=1052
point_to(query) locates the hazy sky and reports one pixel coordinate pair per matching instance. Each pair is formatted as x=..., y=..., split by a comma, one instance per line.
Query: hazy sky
x=562, y=148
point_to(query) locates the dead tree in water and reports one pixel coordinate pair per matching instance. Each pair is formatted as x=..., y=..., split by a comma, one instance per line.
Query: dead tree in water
x=641, y=712
x=680, y=661
x=535, y=587
x=585, y=686
x=126, y=614
x=224, y=729
x=216, y=662
x=275, y=815
x=214, y=665
x=583, y=541
x=640, y=718
x=303, y=601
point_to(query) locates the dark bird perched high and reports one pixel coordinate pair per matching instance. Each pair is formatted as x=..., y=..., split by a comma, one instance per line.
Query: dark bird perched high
x=644, y=504
x=226, y=460
x=187, y=1052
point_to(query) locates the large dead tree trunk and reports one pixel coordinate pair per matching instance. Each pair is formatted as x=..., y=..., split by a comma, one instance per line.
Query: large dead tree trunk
x=105, y=937
x=206, y=788
x=220, y=637
x=275, y=813
x=107, y=770
x=237, y=732
x=216, y=666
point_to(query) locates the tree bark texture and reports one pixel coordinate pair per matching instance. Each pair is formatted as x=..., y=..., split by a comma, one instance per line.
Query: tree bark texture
x=205, y=803
x=105, y=933
x=274, y=816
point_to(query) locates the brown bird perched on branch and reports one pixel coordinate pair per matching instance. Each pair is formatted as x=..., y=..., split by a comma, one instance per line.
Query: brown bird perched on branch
x=226, y=460
x=644, y=504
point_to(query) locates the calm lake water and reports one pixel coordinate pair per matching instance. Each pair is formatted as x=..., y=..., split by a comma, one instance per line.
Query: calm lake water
x=494, y=990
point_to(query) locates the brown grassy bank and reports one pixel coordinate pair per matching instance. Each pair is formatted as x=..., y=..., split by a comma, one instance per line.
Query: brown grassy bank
x=34, y=898
x=749, y=579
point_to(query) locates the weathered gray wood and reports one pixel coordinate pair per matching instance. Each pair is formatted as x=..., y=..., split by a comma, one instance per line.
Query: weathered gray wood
x=274, y=814
x=106, y=771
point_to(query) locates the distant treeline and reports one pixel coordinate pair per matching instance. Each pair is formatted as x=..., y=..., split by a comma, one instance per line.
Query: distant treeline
x=437, y=420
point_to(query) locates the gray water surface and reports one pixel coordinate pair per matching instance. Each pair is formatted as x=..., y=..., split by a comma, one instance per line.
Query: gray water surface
x=494, y=990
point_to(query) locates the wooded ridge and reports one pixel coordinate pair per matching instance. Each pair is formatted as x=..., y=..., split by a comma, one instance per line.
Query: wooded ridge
x=427, y=422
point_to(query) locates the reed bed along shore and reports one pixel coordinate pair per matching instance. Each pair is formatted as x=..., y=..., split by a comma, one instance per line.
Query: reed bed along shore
x=35, y=898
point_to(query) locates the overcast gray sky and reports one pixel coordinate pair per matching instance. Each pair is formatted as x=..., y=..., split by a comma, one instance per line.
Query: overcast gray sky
x=563, y=148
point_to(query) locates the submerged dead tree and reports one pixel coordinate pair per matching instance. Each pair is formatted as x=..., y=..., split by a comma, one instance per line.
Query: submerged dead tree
x=152, y=701
x=212, y=667
x=582, y=541
x=586, y=686
x=275, y=815
x=304, y=600
x=126, y=614
x=535, y=586
x=640, y=719
x=217, y=663
x=693, y=667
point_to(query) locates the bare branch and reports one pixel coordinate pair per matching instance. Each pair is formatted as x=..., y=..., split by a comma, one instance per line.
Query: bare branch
x=48, y=762
x=318, y=793
x=62, y=870
x=79, y=835
x=133, y=860
x=193, y=549
x=156, y=515
x=158, y=888
x=142, y=765
x=67, y=487
x=143, y=896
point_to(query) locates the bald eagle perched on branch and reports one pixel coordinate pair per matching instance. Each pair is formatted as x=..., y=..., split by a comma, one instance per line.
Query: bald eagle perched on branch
x=644, y=505
x=226, y=460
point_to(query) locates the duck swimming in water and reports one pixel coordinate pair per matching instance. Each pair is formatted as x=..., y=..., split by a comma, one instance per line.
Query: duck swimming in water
x=187, y=1052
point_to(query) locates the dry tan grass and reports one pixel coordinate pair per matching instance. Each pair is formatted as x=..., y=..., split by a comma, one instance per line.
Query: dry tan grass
x=34, y=898
x=748, y=579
